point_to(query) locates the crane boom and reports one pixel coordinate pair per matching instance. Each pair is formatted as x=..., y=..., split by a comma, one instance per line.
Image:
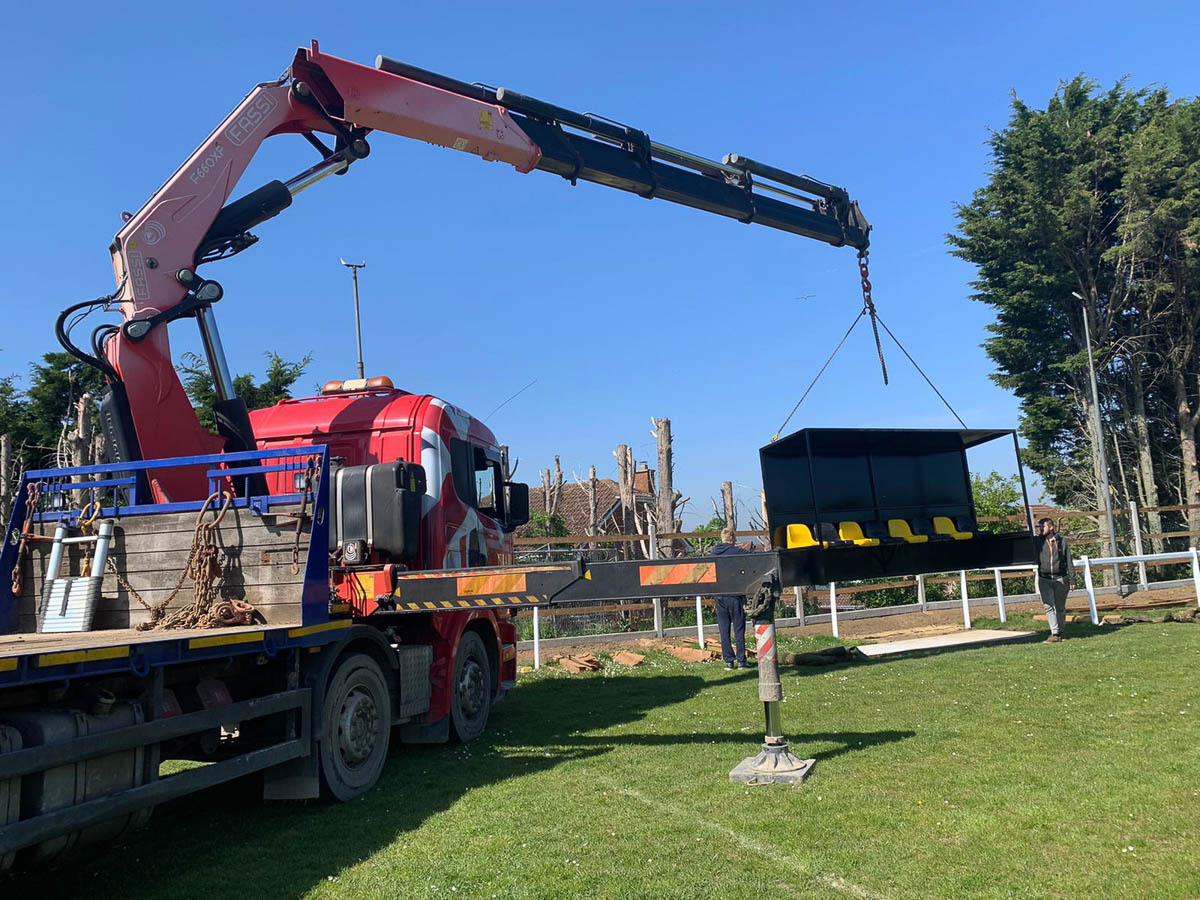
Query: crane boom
x=625, y=158
x=190, y=221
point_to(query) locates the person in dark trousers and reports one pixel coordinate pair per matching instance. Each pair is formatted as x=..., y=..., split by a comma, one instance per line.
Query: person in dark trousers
x=1056, y=575
x=731, y=611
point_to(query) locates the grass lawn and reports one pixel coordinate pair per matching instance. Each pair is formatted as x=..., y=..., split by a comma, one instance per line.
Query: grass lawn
x=1017, y=770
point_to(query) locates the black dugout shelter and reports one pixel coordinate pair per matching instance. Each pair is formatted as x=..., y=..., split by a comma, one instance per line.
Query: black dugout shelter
x=905, y=494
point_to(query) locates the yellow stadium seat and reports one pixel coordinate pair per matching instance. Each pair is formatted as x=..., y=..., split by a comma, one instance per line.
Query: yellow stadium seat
x=898, y=528
x=799, y=535
x=852, y=531
x=944, y=525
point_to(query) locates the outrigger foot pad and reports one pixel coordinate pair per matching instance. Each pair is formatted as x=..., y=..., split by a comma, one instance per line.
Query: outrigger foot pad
x=775, y=765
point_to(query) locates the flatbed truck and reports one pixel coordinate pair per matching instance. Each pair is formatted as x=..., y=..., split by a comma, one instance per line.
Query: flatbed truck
x=323, y=576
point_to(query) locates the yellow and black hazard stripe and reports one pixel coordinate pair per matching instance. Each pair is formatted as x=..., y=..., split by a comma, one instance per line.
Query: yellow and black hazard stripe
x=471, y=603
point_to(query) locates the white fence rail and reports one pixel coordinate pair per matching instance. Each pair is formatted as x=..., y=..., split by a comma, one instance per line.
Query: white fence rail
x=1084, y=563
x=922, y=605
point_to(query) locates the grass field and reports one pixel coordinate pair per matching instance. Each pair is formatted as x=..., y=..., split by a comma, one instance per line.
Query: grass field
x=1017, y=770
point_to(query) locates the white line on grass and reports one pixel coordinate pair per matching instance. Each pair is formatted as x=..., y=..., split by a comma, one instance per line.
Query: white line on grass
x=772, y=854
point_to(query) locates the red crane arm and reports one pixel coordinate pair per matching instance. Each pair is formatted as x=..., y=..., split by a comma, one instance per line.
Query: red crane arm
x=156, y=253
x=343, y=97
x=190, y=220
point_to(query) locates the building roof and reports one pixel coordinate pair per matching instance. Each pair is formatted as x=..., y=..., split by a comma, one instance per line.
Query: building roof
x=573, y=503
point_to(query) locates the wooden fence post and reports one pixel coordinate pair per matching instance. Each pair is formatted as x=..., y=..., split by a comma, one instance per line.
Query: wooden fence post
x=727, y=502
x=1135, y=526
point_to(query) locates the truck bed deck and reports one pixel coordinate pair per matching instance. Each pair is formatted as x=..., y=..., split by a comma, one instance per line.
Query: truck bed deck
x=28, y=658
x=19, y=644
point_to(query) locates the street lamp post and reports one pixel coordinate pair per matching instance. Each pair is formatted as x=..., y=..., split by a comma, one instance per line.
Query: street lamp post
x=354, y=267
x=1108, y=512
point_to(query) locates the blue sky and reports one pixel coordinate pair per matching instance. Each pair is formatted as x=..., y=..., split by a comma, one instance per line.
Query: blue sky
x=480, y=280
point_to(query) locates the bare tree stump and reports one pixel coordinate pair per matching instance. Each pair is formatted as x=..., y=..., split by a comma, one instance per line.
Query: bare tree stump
x=665, y=500
x=6, y=486
x=592, y=512
x=625, y=489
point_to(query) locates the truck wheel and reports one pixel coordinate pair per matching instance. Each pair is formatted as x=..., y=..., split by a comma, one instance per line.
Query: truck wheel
x=357, y=725
x=472, y=700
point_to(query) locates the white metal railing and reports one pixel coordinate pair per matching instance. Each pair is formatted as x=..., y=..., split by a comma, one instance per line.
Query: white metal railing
x=1085, y=563
x=1141, y=559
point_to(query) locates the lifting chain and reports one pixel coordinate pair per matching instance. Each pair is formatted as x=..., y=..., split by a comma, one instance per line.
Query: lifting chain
x=864, y=262
x=203, y=566
x=309, y=470
x=26, y=535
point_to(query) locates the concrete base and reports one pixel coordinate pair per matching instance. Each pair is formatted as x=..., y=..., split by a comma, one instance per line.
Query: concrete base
x=775, y=765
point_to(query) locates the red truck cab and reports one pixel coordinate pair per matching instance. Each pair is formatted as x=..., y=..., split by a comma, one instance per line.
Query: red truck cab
x=466, y=513
x=464, y=519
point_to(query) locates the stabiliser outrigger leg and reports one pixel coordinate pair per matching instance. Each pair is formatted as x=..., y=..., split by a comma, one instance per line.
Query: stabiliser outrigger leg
x=756, y=575
x=775, y=764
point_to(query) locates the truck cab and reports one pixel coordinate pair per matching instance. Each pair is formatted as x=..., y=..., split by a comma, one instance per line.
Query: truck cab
x=467, y=511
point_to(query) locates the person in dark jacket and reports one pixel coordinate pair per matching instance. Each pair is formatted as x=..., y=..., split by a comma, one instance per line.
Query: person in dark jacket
x=731, y=610
x=1056, y=575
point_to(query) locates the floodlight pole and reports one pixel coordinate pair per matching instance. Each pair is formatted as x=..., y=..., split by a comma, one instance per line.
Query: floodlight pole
x=354, y=267
x=1108, y=511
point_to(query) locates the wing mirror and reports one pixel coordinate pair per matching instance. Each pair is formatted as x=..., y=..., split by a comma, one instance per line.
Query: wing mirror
x=518, y=504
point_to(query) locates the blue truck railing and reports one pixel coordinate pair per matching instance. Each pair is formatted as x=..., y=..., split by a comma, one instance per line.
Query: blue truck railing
x=118, y=489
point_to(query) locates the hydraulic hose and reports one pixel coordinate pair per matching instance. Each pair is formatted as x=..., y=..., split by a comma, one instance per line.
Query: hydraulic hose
x=63, y=333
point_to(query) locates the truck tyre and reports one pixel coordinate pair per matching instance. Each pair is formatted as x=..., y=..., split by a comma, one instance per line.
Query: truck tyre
x=472, y=699
x=357, y=717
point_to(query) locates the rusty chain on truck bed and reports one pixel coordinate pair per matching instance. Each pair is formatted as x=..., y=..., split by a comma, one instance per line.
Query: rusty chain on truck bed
x=309, y=472
x=31, y=499
x=203, y=566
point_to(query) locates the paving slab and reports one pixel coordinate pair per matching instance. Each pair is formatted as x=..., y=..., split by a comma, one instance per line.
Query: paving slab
x=938, y=641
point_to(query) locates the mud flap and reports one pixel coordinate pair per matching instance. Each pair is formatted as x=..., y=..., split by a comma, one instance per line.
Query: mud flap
x=415, y=733
x=296, y=779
